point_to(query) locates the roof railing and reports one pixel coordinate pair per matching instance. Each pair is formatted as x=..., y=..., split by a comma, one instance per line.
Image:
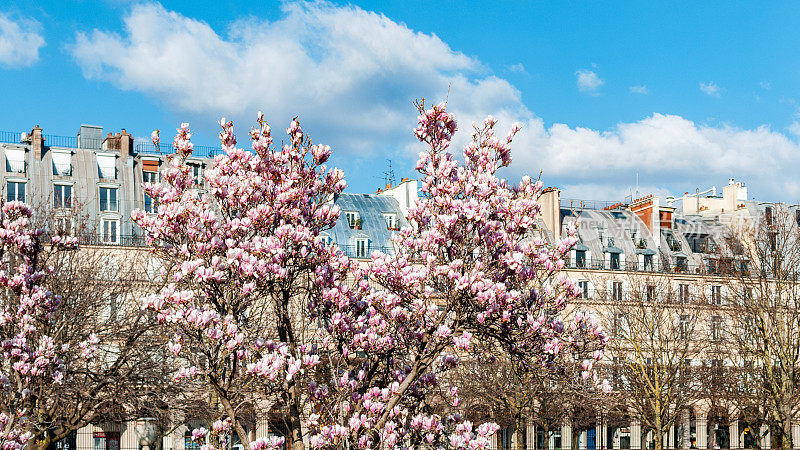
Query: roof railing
x=198, y=151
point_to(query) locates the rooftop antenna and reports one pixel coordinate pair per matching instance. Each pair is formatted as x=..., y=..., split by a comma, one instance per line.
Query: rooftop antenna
x=637, y=184
x=388, y=176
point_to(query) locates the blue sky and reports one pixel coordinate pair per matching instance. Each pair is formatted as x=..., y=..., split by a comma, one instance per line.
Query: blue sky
x=683, y=94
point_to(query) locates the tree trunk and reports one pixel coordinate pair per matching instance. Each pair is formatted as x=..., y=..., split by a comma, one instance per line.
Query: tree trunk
x=518, y=433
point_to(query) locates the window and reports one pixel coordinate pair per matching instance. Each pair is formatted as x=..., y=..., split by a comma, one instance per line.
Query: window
x=683, y=326
x=391, y=220
x=361, y=248
x=650, y=293
x=15, y=190
x=109, y=312
x=353, y=220
x=683, y=293
x=107, y=167
x=620, y=324
x=62, y=163
x=63, y=226
x=648, y=262
x=673, y=243
x=716, y=295
x=15, y=160
x=681, y=265
x=108, y=199
x=616, y=290
x=109, y=231
x=614, y=261
x=715, y=328
x=196, y=172
x=150, y=205
x=580, y=258
x=105, y=440
x=62, y=196
x=191, y=444
x=583, y=286
x=768, y=215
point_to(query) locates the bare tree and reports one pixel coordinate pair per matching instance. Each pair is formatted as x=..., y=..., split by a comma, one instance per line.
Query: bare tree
x=126, y=374
x=766, y=302
x=653, y=344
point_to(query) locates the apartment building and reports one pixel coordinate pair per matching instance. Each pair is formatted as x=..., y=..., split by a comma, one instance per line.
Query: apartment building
x=647, y=247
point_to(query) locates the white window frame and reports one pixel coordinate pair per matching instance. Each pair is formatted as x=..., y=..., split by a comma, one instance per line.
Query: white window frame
x=106, y=237
x=109, y=187
x=65, y=224
x=362, y=248
x=196, y=171
x=617, y=294
x=684, y=293
x=62, y=162
x=391, y=220
x=16, y=182
x=153, y=204
x=716, y=294
x=352, y=218
x=56, y=186
x=583, y=285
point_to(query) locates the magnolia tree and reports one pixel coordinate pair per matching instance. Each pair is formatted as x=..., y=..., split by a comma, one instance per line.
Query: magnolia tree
x=32, y=362
x=261, y=306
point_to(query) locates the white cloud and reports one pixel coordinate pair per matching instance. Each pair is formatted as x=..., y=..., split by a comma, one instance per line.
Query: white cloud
x=518, y=67
x=20, y=41
x=588, y=81
x=639, y=90
x=710, y=88
x=766, y=85
x=352, y=74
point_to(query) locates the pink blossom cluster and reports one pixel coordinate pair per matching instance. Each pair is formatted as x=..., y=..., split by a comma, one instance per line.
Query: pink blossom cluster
x=30, y=356
x=469, y=277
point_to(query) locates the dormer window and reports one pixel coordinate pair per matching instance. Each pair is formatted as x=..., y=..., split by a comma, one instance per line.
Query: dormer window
x=107, y=167
x=614, y=261
x=196, y=172
x=353, y=220
x=62, y=163
x=580, y=258
x=15, y=160
x=391, y=220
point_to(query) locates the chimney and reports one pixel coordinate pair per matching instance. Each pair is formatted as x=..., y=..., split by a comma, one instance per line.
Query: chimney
x=550, y=202
x=125, y=144
x=37, y=142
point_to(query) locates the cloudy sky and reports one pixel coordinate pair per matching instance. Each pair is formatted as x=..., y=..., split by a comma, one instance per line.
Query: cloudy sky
x=678, y=95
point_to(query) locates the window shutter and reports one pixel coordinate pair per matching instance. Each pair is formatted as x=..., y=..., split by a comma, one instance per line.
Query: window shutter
x=62, y=164
x=107, y=166
x=149, y=165
x=15, y=160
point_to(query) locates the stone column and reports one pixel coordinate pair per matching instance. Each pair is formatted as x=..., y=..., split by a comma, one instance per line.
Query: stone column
x=766, y=441
x=734, y=435
x=530, y=444
x=795, y=434
x=636, y=435
x=670, y=440
x=702, y=429
x=601, y=428
x=566, y=435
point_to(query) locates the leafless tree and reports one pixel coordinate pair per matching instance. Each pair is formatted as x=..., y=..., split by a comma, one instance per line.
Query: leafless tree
x=766, y=306
x=128, y=374
x=654, y=340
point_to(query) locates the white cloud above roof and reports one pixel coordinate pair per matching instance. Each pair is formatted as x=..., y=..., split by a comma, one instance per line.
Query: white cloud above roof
x=20, y=41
